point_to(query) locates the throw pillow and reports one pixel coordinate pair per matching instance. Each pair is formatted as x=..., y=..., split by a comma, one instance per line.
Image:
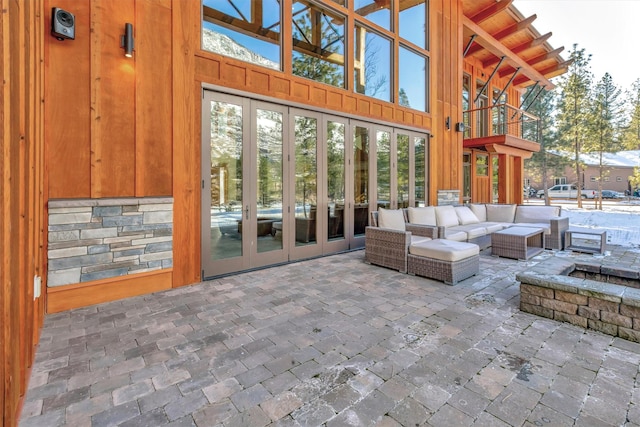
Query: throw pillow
x=446, y=216
x=466, y=216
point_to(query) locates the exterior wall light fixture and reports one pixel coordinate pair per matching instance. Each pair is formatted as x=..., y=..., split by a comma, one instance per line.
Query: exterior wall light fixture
x=126, y=40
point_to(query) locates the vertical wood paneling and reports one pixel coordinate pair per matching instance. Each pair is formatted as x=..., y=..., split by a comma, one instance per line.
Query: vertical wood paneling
x=68, y=125
x=21, y=146
x=153, y=119
x=186, y=135
x=112, y=101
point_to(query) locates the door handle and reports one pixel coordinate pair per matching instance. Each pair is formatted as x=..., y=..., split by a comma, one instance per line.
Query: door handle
x=246, y=213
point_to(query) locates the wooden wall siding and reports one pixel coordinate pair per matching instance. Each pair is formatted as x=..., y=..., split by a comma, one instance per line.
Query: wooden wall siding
x=109, y=122
x=67, y=113
x=446, y=96
x=153, y=109
x=21, y=198
x=187, y=98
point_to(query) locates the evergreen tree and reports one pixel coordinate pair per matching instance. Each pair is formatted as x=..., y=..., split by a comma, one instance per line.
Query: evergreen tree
x=631, y=133
x=403, y=99
x=574, y=112
x=606, y=109
x=544, y=161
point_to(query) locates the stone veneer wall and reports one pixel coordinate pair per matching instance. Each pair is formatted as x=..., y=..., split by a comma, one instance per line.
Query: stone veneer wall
x=92, y=239
x=605, y=307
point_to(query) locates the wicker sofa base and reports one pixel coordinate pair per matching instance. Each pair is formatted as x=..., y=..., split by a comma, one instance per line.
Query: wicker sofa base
x=449, y=272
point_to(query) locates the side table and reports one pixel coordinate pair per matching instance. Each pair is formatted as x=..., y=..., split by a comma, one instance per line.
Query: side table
x=589, y=240
x=517, y=242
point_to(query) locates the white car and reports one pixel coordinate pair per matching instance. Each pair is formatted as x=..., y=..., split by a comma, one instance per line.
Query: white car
x=567, y=191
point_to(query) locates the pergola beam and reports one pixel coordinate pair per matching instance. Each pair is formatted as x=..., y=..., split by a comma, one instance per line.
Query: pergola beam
x=533, y=61
x=490, y=11
x=519, y=49
x=508, y=31
x=498, y=49
x=549, y=72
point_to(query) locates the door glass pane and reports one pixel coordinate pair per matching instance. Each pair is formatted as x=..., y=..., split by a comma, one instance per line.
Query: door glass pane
x=269, y=178
x=383, y=147
x=306, y=138
x=318, y=43
x=495, y=175
x=360, y=179
x=372, y=64
x=235, y=29
x=335, y=179
x=466, y=177
x=226, y=180
x=420, y=147
x=403, y=171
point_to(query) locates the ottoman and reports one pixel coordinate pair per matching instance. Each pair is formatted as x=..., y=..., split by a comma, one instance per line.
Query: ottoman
x=445, y=260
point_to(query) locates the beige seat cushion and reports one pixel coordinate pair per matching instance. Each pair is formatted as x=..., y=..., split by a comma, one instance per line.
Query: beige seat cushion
x=466, y=216
x=546, y=227
x=445, y=250
x=472, y=230
x=501, y=213
x=391, y=218
x=458, y=236
x=423, y=216
x=492, y=227
x=446, y=216
x=419, y=239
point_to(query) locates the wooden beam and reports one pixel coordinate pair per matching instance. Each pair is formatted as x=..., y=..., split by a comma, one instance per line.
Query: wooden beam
x=508, y=31
x=519, y=49
x=490, y=11
x=549, y=72
x=533, y=61
x=498, y=49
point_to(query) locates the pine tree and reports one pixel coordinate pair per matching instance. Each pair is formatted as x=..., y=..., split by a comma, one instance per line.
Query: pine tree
x=631, y=133
x=574, y=108
x=544, y=161
x=606, y=109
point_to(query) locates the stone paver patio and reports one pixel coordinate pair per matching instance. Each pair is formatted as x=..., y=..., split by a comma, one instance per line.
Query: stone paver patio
x=335, y=342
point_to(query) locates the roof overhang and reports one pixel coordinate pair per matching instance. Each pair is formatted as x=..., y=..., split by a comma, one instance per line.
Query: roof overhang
x=494, y=29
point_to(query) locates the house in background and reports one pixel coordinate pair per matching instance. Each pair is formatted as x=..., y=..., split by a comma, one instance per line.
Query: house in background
x=151, y=144
x=617, y=169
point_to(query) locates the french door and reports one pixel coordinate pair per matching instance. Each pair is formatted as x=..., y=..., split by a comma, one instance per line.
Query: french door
x=282, y=184
x=243, y=183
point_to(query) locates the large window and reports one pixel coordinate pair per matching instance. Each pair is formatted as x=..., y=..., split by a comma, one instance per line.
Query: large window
x=238, y=30
x=376, y=11
x=413, y=23
x=388, y=57
x=412, y=91
x=372, y=64
x=318, y=44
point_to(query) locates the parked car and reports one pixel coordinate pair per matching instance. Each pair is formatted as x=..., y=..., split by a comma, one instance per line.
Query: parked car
x=610, y=194
x=567, y=191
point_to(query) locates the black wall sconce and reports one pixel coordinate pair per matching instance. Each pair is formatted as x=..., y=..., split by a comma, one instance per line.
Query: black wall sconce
x=126, y=41
x=447, y=123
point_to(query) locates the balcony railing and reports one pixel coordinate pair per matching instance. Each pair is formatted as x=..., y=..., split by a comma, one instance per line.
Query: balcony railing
x=501, y=119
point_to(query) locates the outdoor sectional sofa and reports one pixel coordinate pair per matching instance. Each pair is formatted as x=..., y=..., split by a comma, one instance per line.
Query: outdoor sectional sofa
x=474, y=223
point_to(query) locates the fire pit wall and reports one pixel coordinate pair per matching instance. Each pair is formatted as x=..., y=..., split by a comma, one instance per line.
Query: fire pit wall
x=548, y=290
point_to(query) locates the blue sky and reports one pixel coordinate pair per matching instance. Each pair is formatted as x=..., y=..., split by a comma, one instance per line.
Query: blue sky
x=606, y=29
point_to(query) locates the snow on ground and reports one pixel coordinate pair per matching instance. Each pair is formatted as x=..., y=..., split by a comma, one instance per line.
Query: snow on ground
x=621, y=220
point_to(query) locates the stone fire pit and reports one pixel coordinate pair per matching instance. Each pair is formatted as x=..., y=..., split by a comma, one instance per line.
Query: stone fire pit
x=589, y=295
